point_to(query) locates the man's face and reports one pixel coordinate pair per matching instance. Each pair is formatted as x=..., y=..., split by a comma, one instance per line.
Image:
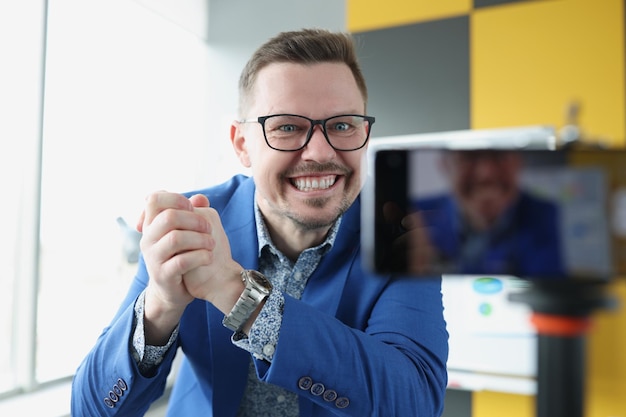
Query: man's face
x=313, y=186
x=485, y=183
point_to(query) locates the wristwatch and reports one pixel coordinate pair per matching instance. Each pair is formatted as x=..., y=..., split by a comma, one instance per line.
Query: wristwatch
x=257, y=289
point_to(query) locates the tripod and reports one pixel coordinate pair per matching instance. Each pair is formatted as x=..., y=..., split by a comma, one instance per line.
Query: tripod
x=561, y=313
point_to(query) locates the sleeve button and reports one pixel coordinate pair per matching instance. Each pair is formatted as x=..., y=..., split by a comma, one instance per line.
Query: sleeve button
x=109, y=403
x=330, y=395
x=342, y=402
x=113, y=396
x=318, y=388
x=122, y=384
x=305, y=383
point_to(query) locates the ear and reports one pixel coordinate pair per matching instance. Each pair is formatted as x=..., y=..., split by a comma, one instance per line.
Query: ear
x=238, y=140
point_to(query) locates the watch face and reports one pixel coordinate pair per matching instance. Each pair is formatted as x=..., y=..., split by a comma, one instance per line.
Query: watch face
x=259, y=280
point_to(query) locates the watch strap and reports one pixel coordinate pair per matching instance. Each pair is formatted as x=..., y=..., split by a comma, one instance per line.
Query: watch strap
x=251, y=297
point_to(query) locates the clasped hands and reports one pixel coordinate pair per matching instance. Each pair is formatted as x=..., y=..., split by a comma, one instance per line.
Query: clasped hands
x=187, y=256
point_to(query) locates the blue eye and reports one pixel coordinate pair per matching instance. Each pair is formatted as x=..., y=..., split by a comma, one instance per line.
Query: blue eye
x=288, y=128
x=341, y=126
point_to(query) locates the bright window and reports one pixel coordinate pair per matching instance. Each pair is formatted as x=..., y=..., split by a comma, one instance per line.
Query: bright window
x=125, y=112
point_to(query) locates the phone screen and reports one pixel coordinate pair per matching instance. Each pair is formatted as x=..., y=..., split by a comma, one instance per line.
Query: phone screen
x=534, y=214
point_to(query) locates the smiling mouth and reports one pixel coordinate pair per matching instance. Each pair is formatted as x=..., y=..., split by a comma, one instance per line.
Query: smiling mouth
x=314, y=183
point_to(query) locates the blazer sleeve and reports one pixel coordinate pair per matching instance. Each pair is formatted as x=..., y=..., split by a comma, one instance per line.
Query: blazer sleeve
x=108, y=381
x=396, y=366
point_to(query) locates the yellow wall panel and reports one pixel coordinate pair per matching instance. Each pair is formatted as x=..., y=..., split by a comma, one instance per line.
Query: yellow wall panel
x=606, y=345
x=530, y=59
x=606, y=362
x=375, y=14
x=495, y=404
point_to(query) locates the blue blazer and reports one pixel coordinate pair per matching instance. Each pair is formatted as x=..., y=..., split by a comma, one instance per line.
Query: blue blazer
x=376, y=344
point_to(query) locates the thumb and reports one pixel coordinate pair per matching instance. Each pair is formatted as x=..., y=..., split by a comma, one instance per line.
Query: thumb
x=199, y=200
x=412, y=221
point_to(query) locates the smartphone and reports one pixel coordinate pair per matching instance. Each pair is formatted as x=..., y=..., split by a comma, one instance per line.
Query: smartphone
x=536, y=214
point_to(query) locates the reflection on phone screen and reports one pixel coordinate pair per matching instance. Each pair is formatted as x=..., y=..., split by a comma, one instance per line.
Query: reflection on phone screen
x=536, y=214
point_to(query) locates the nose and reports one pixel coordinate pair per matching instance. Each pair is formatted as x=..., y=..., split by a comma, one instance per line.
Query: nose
x=318, y=149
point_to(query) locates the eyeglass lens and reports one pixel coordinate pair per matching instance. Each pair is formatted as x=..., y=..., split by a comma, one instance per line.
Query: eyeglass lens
x=291, y=132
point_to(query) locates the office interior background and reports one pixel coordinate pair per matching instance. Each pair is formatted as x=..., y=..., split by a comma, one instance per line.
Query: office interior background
x=103, y=102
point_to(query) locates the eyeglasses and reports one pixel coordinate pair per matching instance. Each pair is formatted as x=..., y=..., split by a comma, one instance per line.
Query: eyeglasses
x=290, y=132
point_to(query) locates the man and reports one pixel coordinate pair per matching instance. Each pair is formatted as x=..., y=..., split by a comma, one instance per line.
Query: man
x=259, y=280
x=486, y=223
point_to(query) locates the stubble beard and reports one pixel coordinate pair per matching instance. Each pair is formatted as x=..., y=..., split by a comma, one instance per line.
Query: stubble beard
x=310, y=224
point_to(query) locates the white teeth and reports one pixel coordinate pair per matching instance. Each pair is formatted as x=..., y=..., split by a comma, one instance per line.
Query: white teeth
x=315, y=183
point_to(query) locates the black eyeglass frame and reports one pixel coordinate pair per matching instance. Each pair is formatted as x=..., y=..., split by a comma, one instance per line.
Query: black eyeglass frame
x=322, y=122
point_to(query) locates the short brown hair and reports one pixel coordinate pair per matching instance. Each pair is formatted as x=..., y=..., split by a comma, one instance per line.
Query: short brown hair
x=307, y=46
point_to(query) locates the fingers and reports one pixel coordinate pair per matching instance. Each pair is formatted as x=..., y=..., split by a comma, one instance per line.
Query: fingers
x=413, y=253
x=158, y=202
x=199, y=200
x=414, y=246
x=171, y=228
x=177, y=242
x=392, y=213
x=412, y=221
x=176, y=239
x=175, y=231
x=162, y=200
x=184, y=262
